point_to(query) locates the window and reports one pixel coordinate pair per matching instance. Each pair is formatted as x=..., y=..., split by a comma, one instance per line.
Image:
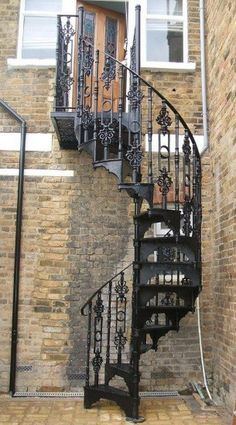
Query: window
x=38, y=31
x=40, y=28
x=164, y=35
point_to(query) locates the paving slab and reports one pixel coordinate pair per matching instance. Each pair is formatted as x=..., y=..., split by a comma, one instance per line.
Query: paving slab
x=157, y=411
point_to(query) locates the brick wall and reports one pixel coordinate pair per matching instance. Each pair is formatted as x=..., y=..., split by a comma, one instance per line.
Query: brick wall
x=77, y=232
x=221, y=34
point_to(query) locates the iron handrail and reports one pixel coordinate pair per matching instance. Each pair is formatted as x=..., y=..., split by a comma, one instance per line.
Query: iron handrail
x=145, y=82
x=101, y=288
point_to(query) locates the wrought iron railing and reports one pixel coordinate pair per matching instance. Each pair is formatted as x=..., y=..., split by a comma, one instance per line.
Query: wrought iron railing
x=108, y=312
x=121, y=117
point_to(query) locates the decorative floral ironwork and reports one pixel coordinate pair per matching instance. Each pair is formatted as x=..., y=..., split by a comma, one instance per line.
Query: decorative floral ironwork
x=164, y=181
x=168, y=299
x=169, y=254
x=187, y=210
x=186, y=281
x=134, y=155
x=186, y=147
x=88, y=60
x=99, y=307
x=121, y=289
x=109, y=72
x=120, y=340
x=163, y=119
x=66, y=81
x=67, y=31
x=97, y=361
x=135, y=95
x=133, y=55
x=107, y=131
x=86, y=117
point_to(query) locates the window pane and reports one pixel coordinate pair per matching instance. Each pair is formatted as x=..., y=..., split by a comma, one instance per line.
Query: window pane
x=43, y=5
x=39, y=37
x=165, y=7
x=164, y=41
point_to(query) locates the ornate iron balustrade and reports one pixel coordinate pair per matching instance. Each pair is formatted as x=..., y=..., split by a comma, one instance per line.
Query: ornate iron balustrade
x=108, y=322
x=121, y=117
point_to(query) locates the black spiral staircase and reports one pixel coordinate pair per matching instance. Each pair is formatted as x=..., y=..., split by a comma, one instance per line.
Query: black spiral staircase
x=130, y=129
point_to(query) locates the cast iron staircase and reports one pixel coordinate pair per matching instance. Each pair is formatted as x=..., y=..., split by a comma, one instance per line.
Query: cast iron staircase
x=130, y=129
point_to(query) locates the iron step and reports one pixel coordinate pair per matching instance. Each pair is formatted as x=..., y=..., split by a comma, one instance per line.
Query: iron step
x=139, y=191
x=124, y=370
x=158, y=215
x=172, y=313
x=184, y=244
x=122, y=398
x=119, y=167
x=149, y=269
x=188, y=293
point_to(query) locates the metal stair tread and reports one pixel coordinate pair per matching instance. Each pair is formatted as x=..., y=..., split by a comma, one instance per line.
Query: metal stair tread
x=169, y=239
x=147, y=328
x=155, y=212
x=164, y=307
x=108, y=390
x=167, y=287
x=125, y=367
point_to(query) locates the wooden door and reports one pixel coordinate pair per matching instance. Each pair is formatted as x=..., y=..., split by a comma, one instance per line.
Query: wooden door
x=105, y=29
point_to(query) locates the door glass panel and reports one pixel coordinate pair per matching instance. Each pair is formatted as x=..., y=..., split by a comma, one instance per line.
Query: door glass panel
x=89, y=26
x=165, y=7
x=111, y=36
x=164, y=41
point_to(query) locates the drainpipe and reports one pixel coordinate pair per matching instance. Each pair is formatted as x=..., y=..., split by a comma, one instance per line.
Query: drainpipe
x=203, y=74
x=16, y=280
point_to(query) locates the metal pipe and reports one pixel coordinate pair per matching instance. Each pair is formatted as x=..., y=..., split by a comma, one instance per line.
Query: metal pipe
x=201, y=350
x=203, y=75
x=16, y=279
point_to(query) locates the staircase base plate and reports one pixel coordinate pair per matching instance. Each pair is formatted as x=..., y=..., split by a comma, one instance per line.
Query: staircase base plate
x=135, y=421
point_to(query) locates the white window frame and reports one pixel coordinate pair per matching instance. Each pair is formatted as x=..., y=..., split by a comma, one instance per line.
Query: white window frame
x=155, y=65
x=68, y=7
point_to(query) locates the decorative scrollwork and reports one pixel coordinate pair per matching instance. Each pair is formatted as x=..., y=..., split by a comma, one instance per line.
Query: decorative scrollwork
x=186, y=281
x=163, y=119
x=134, y=155
x=99, y=307
x=66, y=81
x=169, y=254
x=109, y=72
x=97, y=361
x=135, y=95
x=67, y=31
x=86, y=117
x=164, y=181
x=88, y=60
x=168, y=299
x=107, y=131
x=121, y=289
x=120, y=340
x=186, y=147
x=187, y=210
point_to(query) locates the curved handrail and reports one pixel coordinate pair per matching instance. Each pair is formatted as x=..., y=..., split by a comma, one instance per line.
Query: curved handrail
x=100, y=289
x=145, y=82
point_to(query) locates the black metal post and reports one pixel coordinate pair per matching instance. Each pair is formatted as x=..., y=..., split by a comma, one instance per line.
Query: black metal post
x=16, y=280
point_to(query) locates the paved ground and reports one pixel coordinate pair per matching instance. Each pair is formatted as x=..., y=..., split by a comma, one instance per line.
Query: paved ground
x=174, y=411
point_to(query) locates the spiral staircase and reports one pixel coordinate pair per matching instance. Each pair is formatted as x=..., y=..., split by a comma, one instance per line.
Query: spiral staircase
x=131, y=130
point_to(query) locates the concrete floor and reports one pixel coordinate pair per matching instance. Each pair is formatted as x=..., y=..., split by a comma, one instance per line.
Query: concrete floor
x=159, y=411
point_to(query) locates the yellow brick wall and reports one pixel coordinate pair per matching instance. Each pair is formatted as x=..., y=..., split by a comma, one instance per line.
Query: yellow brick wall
x=220, y=191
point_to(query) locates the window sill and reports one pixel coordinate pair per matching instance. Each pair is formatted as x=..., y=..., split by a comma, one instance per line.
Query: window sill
x=169, y=66
x=30, y=63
